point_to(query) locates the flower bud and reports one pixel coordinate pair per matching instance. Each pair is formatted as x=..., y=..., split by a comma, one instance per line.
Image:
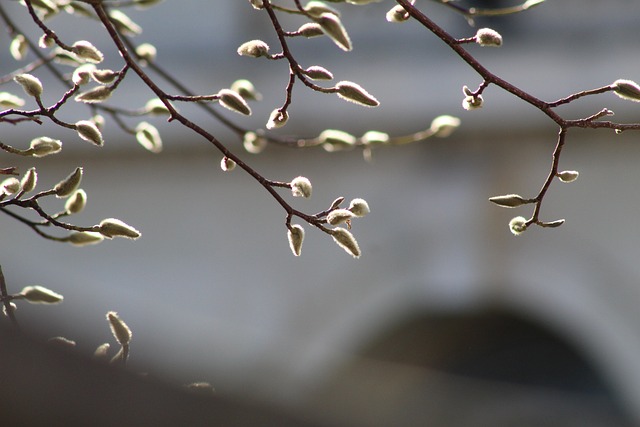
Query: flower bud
x=254, y=143
x=147, y=53
x=8, y=100
x=488, y=37
x=124, y=24
x=316, y=72
x=31, y=84
x=568, y=176
x=227, y=164
x=353, y=92
x=301, y=187
x=257, y=4
x=310, y=29
x=105, y=77
x=374, y=137
x=87, y=52
x=336, y=140
x=88, y=131
x=295, y=236
x=119, y=329
x=18, y=47
x=29, y=180
x=40, y=295
x=246, y=90
x=46, y=41
x=332, y=27
x=47, y=6
x=12, y=308
x=339, y=216
x=397, y=14
x=277, y=119
x=518, y=225
x=10, y=186
x=112, y=227
x=627, y=89
x=346, y=241
x=254, y=49
x=472, y=102
x=68, y=185
x=508, y=200
x=82, y=74
x=95, y=95
x=317, y=8
x=553, y=224
x=443, y=126
x=234, y=102
x=102, y=352
x=359, y=207
x=76, y=202
x=83, y=238
x=149, y=137
x=156, y=107
x=44, y=146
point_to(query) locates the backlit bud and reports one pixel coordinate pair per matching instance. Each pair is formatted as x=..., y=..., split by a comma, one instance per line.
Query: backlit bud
x=246, y=90
x=316, y=72
x=346, y=241
x=82, y=74
x=553, y=224
x=146, y=52
x=254, y=49
x=156, y=107
x=227, y=164
x=374, y=137
x=627, y=89
x=310, y=29
x=254, y=143
x=472, y=102
x=488, y=37
x=112, y=227
x=40, y=295
x=568, y=176
x=76, y=202
x=95, y=95
x=10, y=186
x=87, y=52
x=508, y=200
x=317, y=8
x=84, y=238
x=45, y=41
x=31, y=84
x=531, y=3
x=105, y=77
x=359, y=207
x=68, y=185
x=44, y=146
x=124, y=24
x=88, y=131
x=336, y=140
x=277, y=119
x=234, y=102
x=295, y=236
x=333, y=28
x=29, y=180
x=102, y=352
x=518, y=225
x=257, y=4
x=443, y=126
x=301, y=187
x=339, y=216
x=18, y=47
x=353, y=92
x=119, y=329
x=8, y=100
x=149, y=137
x=397, y=14
x=12, y=308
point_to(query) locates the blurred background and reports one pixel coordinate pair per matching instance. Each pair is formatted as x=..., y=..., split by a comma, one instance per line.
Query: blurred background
x=447, y=317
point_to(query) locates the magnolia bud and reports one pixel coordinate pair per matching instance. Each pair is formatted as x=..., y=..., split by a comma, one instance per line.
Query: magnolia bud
x=46, y=41
x=88, y=131
x=18, y=47
x=44, y=146
x=253, y=143
x=257, y=4
x=95, y=95
x=346, y=241
x=234, y=102
x=29, y=180
x=82, y=74
x=149, y=137
x=112, y=227
x=277, y=119
x=333, y=28
x=119, y=329
x=353, y=92
x=124, y=24
x=488, y=37
x=102, y=352
x=31, y=84
x=87, y=52
x=626, y=89
x=40, y=295
x=359, y=207
x=472, y=102
x=76, y=202
x=310, y=29
x=12, y=308
x=397, y=14
x=339, y=216
x=246, y=90
x=553, y=224
x=518, y=225
x=227, y=164
x=374, y=137
x=156, y=107
x=443, y=126
x=295, y=236
x=336, y=140
x=254, y=49
x=568, y=176
x=83, y=238
x=8, y=100
x=508, y=200
x=146, y=52
x=317, y=8
x=47, y=6
x=301, y=187
x=10, y=186
x=316, y=72
x=104, y=77
x=68, y=185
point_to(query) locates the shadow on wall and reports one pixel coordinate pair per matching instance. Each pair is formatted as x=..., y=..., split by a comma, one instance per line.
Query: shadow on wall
x=491, y=367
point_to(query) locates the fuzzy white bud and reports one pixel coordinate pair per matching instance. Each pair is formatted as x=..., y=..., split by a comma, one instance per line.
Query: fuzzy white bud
x=227, y=164
x=277, y=119
x=336, y=140
x=147, y=53
x=112, y=227
x=84, y=238
x=29, y=180
x=310, y=29
x=373, y=137
x=231, y=100
x=568, y=176
x=353, y=92
x=8, y=100
x=10, y=186
x=31, y=84
x=148, y=136
x=95, y=95
x=44, y=146
x=254, y=49
x=40, y=295
x=315, y=72
x=443, y=126
x=253, y=143
x=82, y=74
x=359, y=207
x=68, y=185
x=18, y=47
x=88, y=131
x=246, y=90
x=518, y=225
x=124, y=24
x=333, y=28
x=87, y=52
x=397, y=14
x=301, y=187
x=508, y=200
x=346, y=241
x=626, y=89
x=472, y=102
x=76, y=202
x=486, y=37
x=121, y=332
x=339, y=216
x=295, y=236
